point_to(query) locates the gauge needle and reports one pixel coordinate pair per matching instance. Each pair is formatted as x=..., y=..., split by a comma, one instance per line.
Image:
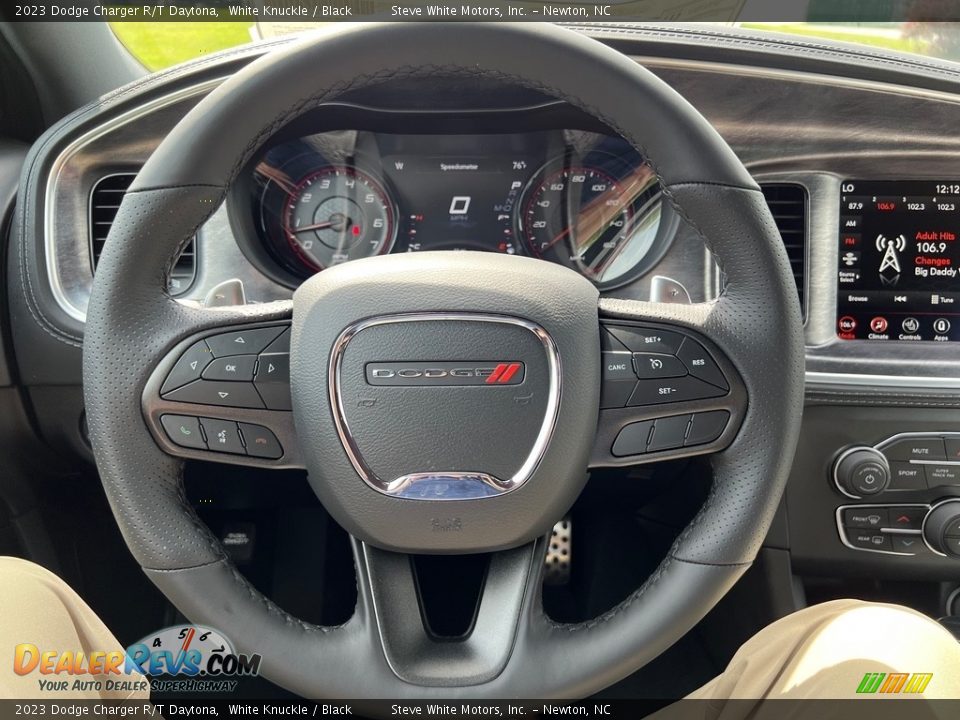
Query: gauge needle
x=315, y=226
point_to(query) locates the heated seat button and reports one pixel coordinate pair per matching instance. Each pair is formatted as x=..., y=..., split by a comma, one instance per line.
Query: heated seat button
x=865, y=518
x=668, y=433
x=632, y=439
x=654, y=392
x=906, y=518
x=223, y=436
x=188, y=368
x=260, y=442
x=243, y=342
x=215, y=392
x=183, y=431
x=647, y=339
x=657, y=365
x=707, y=427
x=905, y=476
x=699, y=363
x=238, y=368
x=273, y=380
x=869, y=540
x=916, y=449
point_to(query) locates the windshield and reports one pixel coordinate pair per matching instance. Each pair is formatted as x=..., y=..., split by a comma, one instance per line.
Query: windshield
x=161, y=44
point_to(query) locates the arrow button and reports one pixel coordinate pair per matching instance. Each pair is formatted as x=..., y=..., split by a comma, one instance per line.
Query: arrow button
x=216, y=392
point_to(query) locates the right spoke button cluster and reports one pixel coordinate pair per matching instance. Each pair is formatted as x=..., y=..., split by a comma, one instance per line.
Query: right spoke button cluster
x=669, y=433
x=649, y=366
x=242, y=368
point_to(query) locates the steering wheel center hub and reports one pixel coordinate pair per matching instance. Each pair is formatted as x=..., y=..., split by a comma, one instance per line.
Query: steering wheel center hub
x=442, y=389
x=445, y=406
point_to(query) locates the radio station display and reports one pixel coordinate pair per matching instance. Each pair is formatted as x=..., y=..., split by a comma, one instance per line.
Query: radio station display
x=898, y=261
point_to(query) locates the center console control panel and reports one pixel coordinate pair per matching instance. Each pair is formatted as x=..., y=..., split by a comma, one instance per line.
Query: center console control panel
x=905, y=462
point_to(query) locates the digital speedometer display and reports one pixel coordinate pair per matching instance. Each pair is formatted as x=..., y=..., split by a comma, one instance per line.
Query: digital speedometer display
x=899, y=261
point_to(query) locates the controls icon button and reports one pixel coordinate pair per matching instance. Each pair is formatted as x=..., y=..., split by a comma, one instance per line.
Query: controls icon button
x=910, y=325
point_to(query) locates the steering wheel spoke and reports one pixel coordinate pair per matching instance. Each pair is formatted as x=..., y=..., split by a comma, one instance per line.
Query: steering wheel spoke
x=415, y=651
x=666, y=390
x=223, y=395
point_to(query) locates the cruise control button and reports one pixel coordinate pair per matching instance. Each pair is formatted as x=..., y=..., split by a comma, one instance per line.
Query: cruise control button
x=906, y=518
x=654, y=392
x=243, y=342
x=183, y=431
x=215, y=392
x=647, y=339
x=260, y=442
x=912, y=544
x=238, y=368
x=668, y=433
x=188, y=368
x=942, y=475
x=865, y=518
x=616, y=393
x=707, y=427
x=632, y=439
x=657, y=365
x=617, y=366
x=273, y=380
x=223, y=436
x=916, y=449
x=700, y=364
x=904, y=476
x=867, y=540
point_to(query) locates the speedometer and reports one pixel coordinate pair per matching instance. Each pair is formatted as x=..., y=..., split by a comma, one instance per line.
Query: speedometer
x=602, y=222
x=336, y=214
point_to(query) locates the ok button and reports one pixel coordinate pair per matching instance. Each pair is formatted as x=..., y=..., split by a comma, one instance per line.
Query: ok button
x=617, y=365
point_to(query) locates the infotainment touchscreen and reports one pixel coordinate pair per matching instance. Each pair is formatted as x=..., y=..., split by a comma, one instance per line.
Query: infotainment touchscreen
x=898, y=261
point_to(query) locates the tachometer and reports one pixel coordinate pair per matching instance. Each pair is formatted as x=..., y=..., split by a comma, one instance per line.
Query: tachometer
x=600, y=221
x=336, y=214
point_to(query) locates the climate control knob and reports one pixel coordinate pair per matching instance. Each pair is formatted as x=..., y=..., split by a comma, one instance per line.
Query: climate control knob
x=861, y=471
x=941, y=528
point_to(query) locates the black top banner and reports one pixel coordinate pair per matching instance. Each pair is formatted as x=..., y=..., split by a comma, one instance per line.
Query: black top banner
x=605, y=11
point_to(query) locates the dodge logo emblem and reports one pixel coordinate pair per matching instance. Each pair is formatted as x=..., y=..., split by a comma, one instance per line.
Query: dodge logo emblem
x=445, y=373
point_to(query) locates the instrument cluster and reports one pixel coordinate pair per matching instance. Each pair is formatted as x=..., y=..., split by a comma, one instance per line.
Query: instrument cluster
x=578, y=198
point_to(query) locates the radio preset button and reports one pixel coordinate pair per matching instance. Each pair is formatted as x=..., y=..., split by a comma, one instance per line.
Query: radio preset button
x=668, y=433
x=632, y=439
x=707, y=427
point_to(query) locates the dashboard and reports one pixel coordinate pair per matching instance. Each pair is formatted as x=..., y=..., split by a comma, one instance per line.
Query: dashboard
x=577, y=198
x=867, y=206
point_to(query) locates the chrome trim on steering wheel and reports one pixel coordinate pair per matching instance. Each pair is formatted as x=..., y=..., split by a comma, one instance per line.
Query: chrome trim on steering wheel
x=445, y=485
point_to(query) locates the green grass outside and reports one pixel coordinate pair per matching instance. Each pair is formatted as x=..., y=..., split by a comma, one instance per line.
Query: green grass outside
x=852, y=36
x=161, y=44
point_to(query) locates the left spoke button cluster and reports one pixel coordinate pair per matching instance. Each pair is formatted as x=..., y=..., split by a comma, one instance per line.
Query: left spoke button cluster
x=223, y=436
x=243, y=369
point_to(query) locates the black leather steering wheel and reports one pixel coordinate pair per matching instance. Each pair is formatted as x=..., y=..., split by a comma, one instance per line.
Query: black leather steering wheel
x=412, y=493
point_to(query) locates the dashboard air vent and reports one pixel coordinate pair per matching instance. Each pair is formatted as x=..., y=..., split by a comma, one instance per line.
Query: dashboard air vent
x=788, y=204
x=104, y=202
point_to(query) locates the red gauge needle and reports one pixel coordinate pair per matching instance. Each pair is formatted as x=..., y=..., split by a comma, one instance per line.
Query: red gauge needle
x=337, y=221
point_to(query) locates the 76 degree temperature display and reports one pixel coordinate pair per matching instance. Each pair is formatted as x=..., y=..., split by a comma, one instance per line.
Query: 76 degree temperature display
x=899, y=261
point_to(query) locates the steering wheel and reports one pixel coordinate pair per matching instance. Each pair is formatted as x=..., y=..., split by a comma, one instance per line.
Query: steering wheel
x=444, y=402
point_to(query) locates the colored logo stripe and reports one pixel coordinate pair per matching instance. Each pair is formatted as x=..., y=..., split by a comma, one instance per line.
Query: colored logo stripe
x=502, y=373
